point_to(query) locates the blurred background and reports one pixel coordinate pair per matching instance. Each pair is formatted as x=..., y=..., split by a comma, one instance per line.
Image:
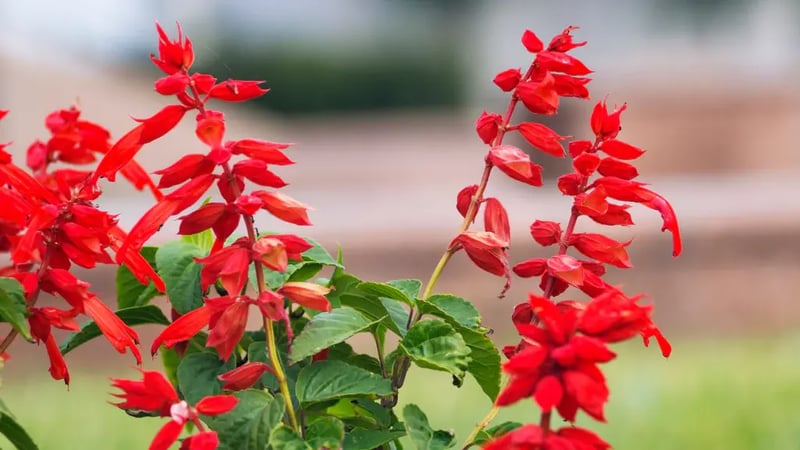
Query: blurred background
x=380, y=98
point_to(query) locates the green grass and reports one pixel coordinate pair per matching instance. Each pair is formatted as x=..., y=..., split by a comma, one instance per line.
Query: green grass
x=723, y=394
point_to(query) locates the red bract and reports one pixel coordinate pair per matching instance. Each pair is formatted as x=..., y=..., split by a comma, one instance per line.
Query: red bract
x=464, y=199
x=244, y=376
x=237, y=90
x=516, y=164
x=268, y=152
x=308, y=295
x=284, y=207
x=542, y=138
x=508, y=79
x=540, y=97
x=495, y=219
x=485, y=249
x=601, y=248
x=487, y=126
x=155, y=394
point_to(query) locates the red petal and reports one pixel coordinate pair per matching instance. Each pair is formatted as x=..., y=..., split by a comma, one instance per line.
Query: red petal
x=487, y=126
x=532, y=42
x=243, y=376
x=508, y=79
x=120, y=335
x=216, y=404
x=516, y=164
x=188, y=166
x=182, y=329
x=166, y=436
x=210, y=128
x=569, y=86
x=542, y=138
x=269, y=152
x=530, y=268
x=227, y=328
x=567, y=268
x=204, y=440
x=611, y=167
x=146, y=227
x=548, y=393
x=602, y=248
x=495, y=219
x=202, y=219
x=586, y=163
x=284, y=207
x=256, y=171
x=237, y=90
x=620, y=150
x=539, y=97
x=309, y=295
x=561, y=62
x=464, y=199
x=546, y=232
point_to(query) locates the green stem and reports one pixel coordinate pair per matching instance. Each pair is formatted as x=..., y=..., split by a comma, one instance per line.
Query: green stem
x=480, y=426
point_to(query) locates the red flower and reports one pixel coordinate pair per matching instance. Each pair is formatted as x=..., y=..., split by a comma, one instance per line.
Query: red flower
x=229, y=265
x=155, y=394
x=540, y=97
x=284, y=207
x=604, y=125
x=485, y=249
x=268, y=152
x=601, y=248
x=227, y=323
x=244, y=376
x=308, y=295
x=531, y=437
x=173, y=56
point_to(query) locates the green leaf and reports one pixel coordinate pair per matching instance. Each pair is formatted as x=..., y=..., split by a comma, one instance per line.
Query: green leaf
x=398, y=315
x=203, y=240
x=325, y=432
x=405, y=291
x=248, y=426
x=484, y=364
x=434, y=344
x=130, y=292
x=284, y=438
x=344, y=352
x=421, y=433
x=175, y=262
x=498, y=430
x=137, y=315
x=197, y=375
x=451, y=308
x=330, y=380
x=318, y=254
x=12, y=430
x=12, y=306
x=363, y=439
x=327, y=329
x=305, y=271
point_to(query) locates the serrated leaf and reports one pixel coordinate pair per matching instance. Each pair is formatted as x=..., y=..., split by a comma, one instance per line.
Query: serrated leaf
x=484, y=363
x=405, y=291
x=197, y=375
x=327, y=329
x=363, y=439
x=130, y=292
x=13, y=431
x=176, y=265
x=330, y=380
x=318, y=254
x=284, y=438
x=248, y=426
x=398, y=315
x=435, y=344
x=12, y=306
x=137, y=315
x=452, y=308
x=325, y=432
x=422, y=435
x=203, y=240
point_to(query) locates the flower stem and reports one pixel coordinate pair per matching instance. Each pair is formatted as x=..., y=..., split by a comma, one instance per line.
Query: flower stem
x=480, y=426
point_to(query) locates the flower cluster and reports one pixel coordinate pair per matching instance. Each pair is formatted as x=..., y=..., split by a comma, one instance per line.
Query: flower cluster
x=556, y=362
x=49, y=221
x=155, y=395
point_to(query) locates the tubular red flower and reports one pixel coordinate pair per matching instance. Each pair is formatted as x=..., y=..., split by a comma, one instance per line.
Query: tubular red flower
x=268, y=152
x=532, y=42
x=244, y=376
x=543, y=138
x=464, y=199
x=308, y=295
x=120, y=335
x=508, y=79
x=237, y=90
x=182, y=329
x=284, y=207
x=487, y=126
x=601, y=248
x=227, y=323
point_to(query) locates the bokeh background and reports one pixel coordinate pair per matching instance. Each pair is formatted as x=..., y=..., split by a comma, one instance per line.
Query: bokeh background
x=380, y=98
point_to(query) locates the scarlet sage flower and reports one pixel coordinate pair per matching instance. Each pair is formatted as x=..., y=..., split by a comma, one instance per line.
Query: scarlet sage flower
x=237, y=90
x=516, y=164
x=487, y=126
x=532, y=437
x=244, y=376
x=155, y=394
x=173, y=56
x=308, y=295
x=284, y=207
